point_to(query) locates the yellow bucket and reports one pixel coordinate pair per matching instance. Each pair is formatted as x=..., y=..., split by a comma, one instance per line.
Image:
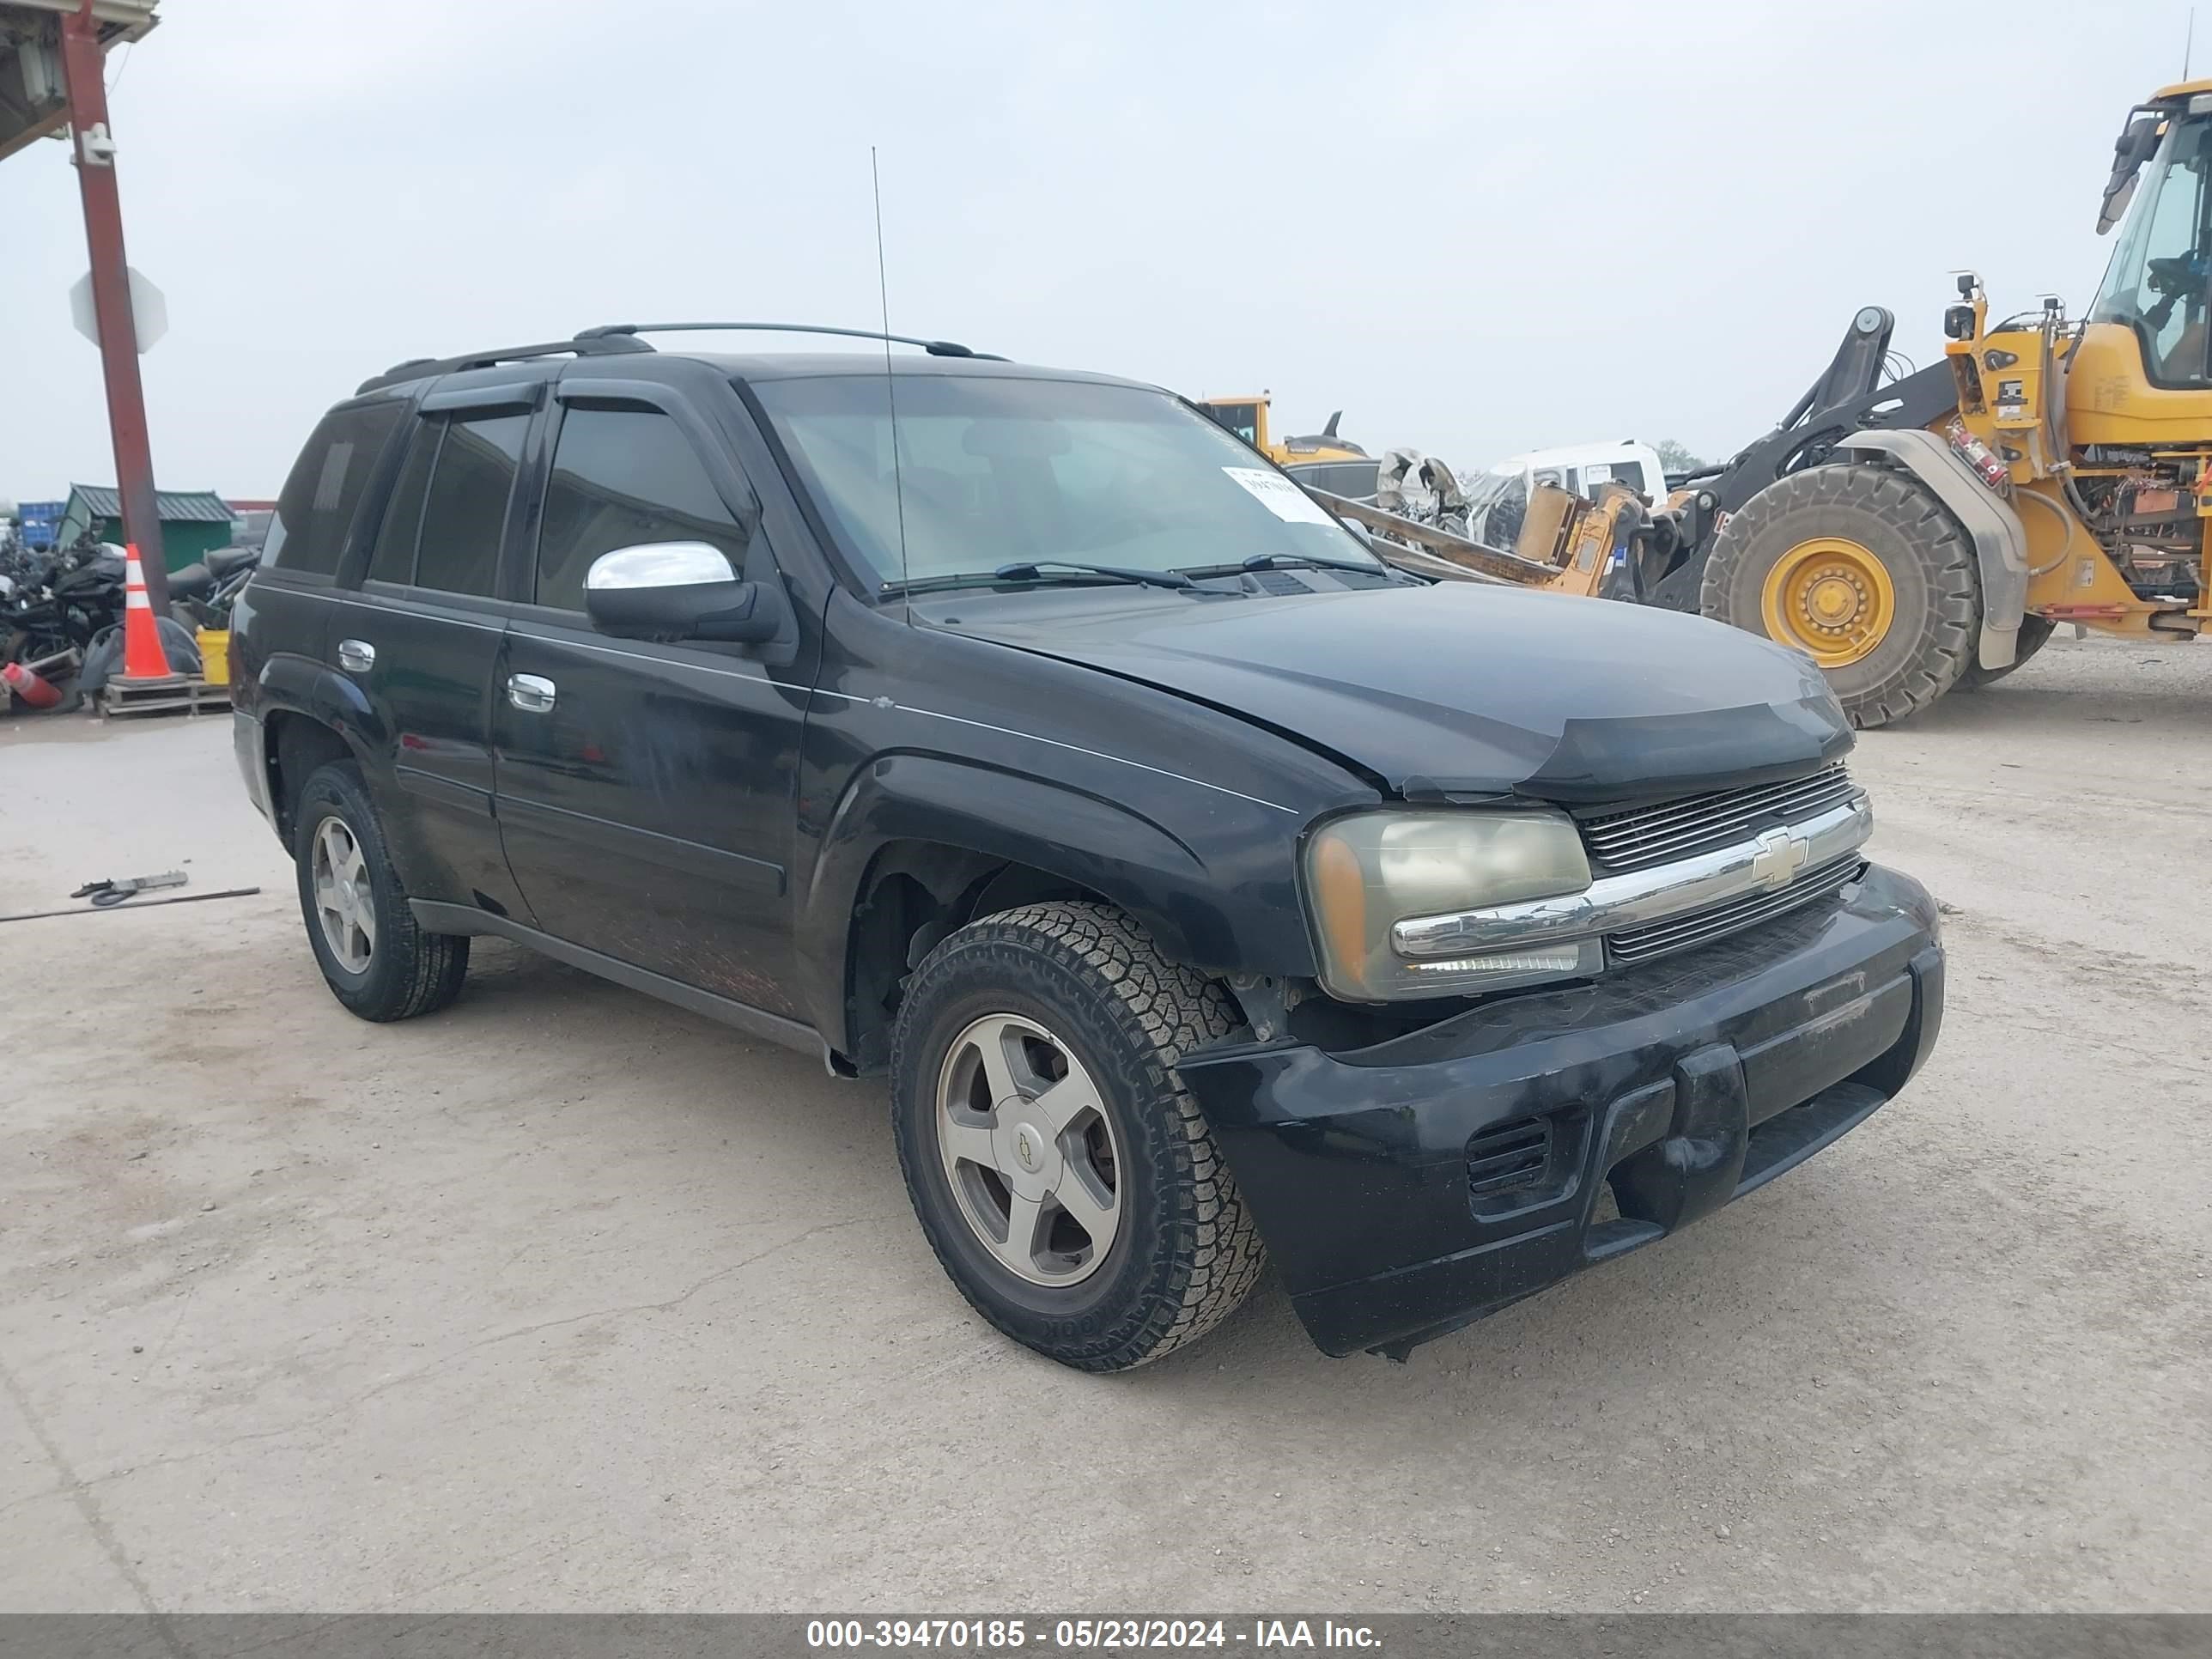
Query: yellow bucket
x=214, y=655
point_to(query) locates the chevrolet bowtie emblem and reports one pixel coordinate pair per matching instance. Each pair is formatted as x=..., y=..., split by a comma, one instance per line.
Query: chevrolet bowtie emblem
x=1779, y=857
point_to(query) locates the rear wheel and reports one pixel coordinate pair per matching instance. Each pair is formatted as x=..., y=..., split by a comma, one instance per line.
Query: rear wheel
x=2034, y=633
x=1861, y=568
x=1061, y=1173
x=376, y=960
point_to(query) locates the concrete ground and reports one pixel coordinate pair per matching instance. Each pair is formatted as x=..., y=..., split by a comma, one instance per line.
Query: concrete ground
x=564, y=1299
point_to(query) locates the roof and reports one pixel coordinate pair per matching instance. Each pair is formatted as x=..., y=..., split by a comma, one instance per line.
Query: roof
x=617, y=349
x=2180, y=89
x=31, y=103
x=816, y=365
x=1566, y=454
x=175, y=506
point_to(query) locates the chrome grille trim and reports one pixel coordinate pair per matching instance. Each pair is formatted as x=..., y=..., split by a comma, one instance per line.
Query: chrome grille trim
x=1764, y=864
x=1689, y=824
x=1701, y=926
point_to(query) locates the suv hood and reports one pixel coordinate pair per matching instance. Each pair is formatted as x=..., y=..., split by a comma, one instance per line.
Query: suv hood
x=1469, y=689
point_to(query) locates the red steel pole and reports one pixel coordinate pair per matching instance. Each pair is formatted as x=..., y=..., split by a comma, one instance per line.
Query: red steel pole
x=84, y=69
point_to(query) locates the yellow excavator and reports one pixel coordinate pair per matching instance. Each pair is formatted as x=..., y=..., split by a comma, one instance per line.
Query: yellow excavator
x=1928, y=531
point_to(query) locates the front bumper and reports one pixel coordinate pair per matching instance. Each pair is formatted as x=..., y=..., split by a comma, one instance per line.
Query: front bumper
x=1408, y=1189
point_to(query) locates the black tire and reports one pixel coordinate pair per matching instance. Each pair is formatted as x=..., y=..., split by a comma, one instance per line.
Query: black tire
x=1930, y=564
x=2035, y=633
x=1186, y=1253
x=408, y=971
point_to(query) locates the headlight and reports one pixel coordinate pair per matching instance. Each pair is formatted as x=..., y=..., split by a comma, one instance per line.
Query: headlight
x=1366, y=873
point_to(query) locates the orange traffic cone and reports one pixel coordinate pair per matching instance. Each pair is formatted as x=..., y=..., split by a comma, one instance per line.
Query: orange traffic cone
x=143, y=656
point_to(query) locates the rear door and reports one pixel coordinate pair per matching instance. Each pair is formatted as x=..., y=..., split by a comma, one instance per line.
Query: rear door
x=293, y=600
x=421, y=640
x=647, y=793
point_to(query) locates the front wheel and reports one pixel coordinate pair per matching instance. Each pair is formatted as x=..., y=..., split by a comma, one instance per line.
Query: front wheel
x=1863, y=570
x=1064, y=1177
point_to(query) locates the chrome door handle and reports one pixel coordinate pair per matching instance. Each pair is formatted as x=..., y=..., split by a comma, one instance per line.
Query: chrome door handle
x=356, y=656
x=531, y=693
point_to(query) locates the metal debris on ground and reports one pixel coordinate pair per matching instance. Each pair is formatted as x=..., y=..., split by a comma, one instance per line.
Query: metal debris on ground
x=110, y=891
x=92, y=910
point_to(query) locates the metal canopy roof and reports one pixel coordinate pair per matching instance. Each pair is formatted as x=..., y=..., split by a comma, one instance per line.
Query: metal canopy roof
x=32, y=101
x=175, y=506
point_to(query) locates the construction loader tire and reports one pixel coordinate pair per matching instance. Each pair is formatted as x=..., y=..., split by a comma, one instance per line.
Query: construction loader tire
x=1861, y=569
x=2034, y=632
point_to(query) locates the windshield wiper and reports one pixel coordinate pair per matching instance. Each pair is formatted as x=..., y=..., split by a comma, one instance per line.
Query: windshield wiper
x=1038, y=570
x=1288, y=562
x=1034, y=570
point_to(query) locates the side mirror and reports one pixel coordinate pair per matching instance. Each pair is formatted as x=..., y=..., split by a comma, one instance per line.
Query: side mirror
x=671, y=591
x=2134, y=146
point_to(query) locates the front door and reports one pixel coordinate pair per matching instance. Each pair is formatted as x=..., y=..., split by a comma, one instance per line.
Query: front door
x=647, y=793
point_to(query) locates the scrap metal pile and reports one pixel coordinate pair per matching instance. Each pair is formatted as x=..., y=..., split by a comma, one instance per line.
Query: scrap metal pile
x=61, y=616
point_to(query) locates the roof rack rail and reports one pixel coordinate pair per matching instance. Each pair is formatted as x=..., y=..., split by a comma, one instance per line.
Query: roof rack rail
x=934, y=348
x=416, y=368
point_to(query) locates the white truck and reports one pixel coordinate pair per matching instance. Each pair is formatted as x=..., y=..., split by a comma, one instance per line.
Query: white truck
x=1498, y=498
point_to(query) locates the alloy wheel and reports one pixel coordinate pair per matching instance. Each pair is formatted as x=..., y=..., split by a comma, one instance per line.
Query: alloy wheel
x=1029, y=1150
x=343, y=902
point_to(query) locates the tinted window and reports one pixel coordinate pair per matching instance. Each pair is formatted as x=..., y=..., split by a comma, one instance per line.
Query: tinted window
x=393, y=560
x=309, y=529
x=467, y=508
x=622, y=478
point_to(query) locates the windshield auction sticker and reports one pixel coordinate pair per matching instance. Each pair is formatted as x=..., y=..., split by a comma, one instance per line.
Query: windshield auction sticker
x=1280, y=495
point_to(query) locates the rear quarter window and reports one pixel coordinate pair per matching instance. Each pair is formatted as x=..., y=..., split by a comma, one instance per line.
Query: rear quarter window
x=308, y=532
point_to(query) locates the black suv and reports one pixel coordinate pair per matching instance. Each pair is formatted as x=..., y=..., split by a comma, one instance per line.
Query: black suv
x=1198, y=879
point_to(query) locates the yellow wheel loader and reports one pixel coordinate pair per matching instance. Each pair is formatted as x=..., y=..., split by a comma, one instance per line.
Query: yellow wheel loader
x=1248, y=418
x=1917, y=534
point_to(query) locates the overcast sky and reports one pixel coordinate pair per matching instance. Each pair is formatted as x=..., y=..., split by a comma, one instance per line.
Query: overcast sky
x=1474, y=227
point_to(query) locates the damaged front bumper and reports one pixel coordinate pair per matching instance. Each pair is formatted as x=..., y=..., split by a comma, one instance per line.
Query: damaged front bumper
x=1408, y=1189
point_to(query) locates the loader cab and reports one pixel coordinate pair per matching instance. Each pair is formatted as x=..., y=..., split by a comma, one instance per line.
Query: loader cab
x=1245, y=417
x=2159, y=284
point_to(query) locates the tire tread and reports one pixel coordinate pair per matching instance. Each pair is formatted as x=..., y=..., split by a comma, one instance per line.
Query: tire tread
x=1173, y=1010
x=431, y=966
x=1950, y=627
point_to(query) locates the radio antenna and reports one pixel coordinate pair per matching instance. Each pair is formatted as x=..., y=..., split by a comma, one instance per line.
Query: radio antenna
x=890, y=381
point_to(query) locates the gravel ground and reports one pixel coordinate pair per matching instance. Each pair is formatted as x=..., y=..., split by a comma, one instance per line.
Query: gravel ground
x=565, y=1300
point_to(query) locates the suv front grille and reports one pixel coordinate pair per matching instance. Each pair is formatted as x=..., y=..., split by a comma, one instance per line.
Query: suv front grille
x=1681, y=933
x=1689, y=824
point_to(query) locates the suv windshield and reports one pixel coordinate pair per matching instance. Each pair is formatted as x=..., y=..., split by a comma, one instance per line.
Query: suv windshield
x=997, y=472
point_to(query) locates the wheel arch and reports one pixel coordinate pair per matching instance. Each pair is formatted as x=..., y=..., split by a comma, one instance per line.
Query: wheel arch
x=1994, y=529
x=312, y=715
x=922, y=845
x=295, y=743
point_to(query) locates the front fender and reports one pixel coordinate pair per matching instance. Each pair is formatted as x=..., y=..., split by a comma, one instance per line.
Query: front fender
x=1218, y=891
x=2000, y=540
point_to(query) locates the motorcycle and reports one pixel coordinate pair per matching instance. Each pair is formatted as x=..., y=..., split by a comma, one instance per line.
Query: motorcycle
x=65, y=612
x=201, y=593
